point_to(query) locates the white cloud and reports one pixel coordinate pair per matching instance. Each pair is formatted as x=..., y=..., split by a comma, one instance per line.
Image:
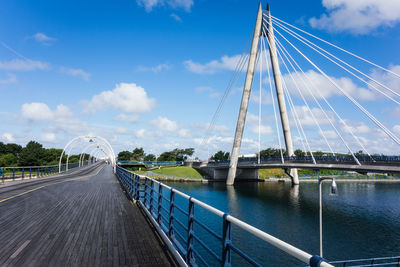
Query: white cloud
x=127, y=118
x=164, y=124
x=48, y=137
x=209, y=90
x=306, y=118
x=155, y=69
x=23, y=65
x=43, y=38
x=141, y=133
x=359, y=17
x=265, y=97
x=128, y=97
x=150, y=4
x=252, y=122
x=185, y=4
x=356, y=127
x=176, y=17
x=12, y=78
x=7, y=137
x=224, y=63
x=388, y=79
x=36, y=111
x=76, y=72
x=320, y=86
x=396, y=130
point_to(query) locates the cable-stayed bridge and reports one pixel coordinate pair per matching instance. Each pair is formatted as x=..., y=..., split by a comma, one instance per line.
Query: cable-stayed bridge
x=283, y=53
x=81, y=217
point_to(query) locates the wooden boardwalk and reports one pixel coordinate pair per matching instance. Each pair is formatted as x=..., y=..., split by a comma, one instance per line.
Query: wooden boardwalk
x=80, y=219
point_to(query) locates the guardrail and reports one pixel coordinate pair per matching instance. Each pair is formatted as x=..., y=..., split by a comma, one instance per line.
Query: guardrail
x=321, y=159
x=168, y=208
x=383, y=261
x=28, y=172
x=158, y=163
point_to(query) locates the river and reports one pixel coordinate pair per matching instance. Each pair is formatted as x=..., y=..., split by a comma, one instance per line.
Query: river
x=361, y=221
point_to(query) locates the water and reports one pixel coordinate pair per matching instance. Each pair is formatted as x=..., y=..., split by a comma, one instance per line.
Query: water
x=361, y=221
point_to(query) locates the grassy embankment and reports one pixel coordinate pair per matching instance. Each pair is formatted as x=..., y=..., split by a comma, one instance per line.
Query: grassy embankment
x=176, y=171
x=188, y=172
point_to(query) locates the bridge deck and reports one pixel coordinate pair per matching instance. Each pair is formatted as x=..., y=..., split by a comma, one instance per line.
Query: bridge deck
x=77, y=219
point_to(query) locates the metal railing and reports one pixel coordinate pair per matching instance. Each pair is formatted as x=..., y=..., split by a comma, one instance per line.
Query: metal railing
x=173, y=214
x=383, y=261
x=157, y=163
x=13, y=173
x=320, y=159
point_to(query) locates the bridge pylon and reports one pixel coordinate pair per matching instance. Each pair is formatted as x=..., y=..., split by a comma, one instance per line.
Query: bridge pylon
x=246, y=95
x=281, y=97
x=245, y=99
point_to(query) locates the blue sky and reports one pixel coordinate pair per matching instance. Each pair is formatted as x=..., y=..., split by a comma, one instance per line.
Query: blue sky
x=151, y=73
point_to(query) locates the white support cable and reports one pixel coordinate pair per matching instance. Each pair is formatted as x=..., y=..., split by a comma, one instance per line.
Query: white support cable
x=323, y=110
x=238, y=69
x=302, y=96
x=358, y=105
x=273, y=101
x=316, y=47
x=339, y=48
x=259, y=108
x=296, y=116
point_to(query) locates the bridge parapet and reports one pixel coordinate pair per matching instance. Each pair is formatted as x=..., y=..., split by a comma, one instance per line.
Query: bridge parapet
x=167, y=207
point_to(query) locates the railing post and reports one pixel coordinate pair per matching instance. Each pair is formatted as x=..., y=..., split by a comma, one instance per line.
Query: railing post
x=189, y=250
x=171, y=214
x=145, y=192
x=23, y=173
x=13, y=173
x=30, y=173
x=151, y=197
x=137, y=187
x=131, y=191
x=159, y=204
x=226, y=241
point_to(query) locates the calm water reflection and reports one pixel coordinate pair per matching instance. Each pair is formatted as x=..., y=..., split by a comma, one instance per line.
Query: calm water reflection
x=361, y=221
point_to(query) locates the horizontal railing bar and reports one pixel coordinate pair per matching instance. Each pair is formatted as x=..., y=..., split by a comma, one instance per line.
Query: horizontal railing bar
x=181, y=224
x=368, y=259
x=375, y=264
x=207, y=248
x=200, y=257
x=207, y=229
x=181, y=237
x=181, y=210
x=243, y=255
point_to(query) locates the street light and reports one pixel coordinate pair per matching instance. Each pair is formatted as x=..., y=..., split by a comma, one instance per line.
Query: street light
x=333, y=192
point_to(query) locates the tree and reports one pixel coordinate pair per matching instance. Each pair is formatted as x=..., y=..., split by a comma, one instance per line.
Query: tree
x=32, y=154
x=220, y=155
x=271, y=152
x=176, y=154
x=299, y=153
x=8, y=160
x=167, y=156
x=13, y=149
x=150, y=157
x=124, y=155
x=138, y=154
x=52, y=156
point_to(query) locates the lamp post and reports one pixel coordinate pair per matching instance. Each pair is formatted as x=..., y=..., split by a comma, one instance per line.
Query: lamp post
x=333, y=192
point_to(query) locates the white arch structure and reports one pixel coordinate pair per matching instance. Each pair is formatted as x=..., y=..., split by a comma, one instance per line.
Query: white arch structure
x=86, y=151
x=94, y=152
x=111, y=153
